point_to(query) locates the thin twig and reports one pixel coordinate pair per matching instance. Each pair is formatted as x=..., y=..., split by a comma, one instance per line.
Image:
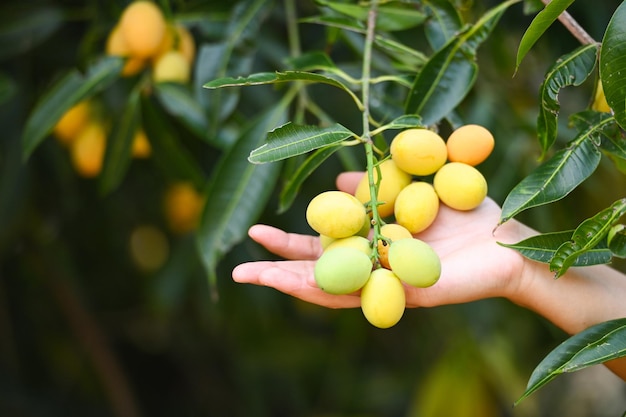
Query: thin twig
x=573, y=27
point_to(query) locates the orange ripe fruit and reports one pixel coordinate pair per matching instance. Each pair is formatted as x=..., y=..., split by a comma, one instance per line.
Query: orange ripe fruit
x=183, y=206
x=116, y=46
x=72, y=122
x=171, y=67
x=87, y=150
x=470, y=144
x=143, y=26
x=141, y=146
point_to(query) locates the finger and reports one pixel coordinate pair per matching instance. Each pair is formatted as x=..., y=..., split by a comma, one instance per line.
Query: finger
x=293, y=278
x=286, y=245
x=348, y=181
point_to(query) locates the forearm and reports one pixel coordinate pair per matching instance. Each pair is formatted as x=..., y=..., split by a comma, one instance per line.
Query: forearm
x=584, y=296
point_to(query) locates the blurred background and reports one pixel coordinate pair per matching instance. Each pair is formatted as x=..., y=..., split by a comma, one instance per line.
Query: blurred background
x=105, y=305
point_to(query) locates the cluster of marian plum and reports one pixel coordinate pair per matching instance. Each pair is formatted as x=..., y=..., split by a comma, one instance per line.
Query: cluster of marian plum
x=422, y=172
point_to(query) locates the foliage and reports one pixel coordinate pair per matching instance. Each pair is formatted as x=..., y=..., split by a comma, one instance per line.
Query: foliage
x=243, y=148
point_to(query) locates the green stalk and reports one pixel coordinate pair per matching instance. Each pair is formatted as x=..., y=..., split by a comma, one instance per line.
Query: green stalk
x=367, y=137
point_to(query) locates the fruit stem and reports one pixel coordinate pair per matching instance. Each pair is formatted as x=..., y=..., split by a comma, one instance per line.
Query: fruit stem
x=367, y=137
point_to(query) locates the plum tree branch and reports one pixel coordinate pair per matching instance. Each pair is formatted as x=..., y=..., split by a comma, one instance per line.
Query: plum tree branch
x=573, y=27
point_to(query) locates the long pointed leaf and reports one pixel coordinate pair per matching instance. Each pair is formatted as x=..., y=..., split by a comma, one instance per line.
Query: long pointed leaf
x=262, y=78
x=178, y=101
x=167, y=151
x=69, y=90
x=612, y=66
x=291, y=140
x=558, y=176
x=539, y=25
x=444, y=22
x=451, y=72
x=237, y=193
x=118, y=153
x=617, y=240
x=390, y=16
x=542, y=247
x=570, y=69
x=586, y=236
x=594, y=345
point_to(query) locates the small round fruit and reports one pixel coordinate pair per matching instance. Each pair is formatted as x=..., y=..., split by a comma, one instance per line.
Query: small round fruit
x=149, y=248
x=183, y=206
x=393, y=180
x=141, y=146
x=336, y=214
x=143, y=26
x=172, y=67
x=356, y=242
x=460, y=186
x=87, y=150
x=471, y=144
x=392, y=232
x=414, y=262
x=418, y=151
x=383, y=299
x=417, y=206
x=72, y=122
x=342, y=270
x=116, y=46
x=178, y=38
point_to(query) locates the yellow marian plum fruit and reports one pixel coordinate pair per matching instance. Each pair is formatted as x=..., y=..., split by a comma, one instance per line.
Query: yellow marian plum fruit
x=183, y=206
x=460, y=186
x=336, y=214
x=141, y=146
x=171, y=67
x=149, y=248
x=471, y=144
x=414, y=262
x=72, y=122
x=356, y=242
x=392, y=232
x=143, y=26
x=87, y=150
x=116, y=46
x=393, y=180
x=178, y=38
x=383, y=299
x=417, y=206
x=418, y=151
x=342, y=270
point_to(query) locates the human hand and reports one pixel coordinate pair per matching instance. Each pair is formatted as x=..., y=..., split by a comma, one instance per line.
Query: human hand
x=474, y=266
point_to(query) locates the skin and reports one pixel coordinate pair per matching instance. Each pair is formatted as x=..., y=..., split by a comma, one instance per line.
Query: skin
x=464, y=241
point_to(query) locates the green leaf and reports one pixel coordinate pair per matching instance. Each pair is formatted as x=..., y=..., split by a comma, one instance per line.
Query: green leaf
x=612, y=65
x=586, y=236
x=594, y=345
x=120, y=142
x=262, y=78
x=392, y=16
x=617, y=240
x=539, y=25
x=291, y=140
x=569, y=69
x=407, y=121
x=237, y=193
x=542, y=247
x=64, y=94
x=558, y=176
x=444, y=22
x=167, y=151
x=290, y=191
x=23, y=28
x=450, y=73
x=178, y=101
